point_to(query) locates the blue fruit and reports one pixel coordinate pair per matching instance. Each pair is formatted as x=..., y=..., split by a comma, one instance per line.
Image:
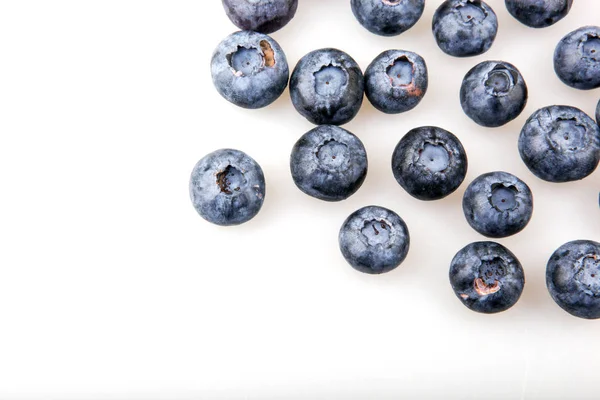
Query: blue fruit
x=560, y=144
x=329, y=163
x=493, y=93
x=227, y=187
x=429, y=163
x=249, y=69
x=374, y=240
x=327, y=87
x=387, y=17
x=598, y=113
x=577, y=58
x=265, y=16
x=573, y=278
x=487, y=277
x=396, y=81
x=464, y=28
x=539, y=13
x=498, y=204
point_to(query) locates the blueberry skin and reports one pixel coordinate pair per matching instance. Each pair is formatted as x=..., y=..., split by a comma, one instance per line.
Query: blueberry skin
x=577, y=58
x=560, y=144
x=429, y=163
x=329, y=163
x=227, y=187
x=486, y=277
x=573, y=278
x=396, y=81
x=539, y=13
x=374, y=240
x=464, y=28
x=598, y=113
x=493, y=93
x=387, y=17
x=264, y=16
x=498, y=204
x=327, y=87
x=263, y=69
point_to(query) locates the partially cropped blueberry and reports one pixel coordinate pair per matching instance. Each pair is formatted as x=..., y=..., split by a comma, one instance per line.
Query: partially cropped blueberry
x=429, y=163
x=487, y=277
x=498, y=204
x=374, y=240
x=327, y=87
x=577, y=58
x=329, y=163
x=598, y=113
x=388, y=17
x=265, y=16
x=493, y=93
x=465, y=28
x=560, y=144
x=227, y=187
x=539, y=13
x=573, y=278
x=396, y=81
x=249, y=69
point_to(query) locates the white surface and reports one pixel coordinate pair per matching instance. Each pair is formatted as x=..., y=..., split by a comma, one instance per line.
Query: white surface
x=111, y=286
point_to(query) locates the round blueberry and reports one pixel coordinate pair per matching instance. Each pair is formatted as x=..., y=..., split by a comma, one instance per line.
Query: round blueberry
x=227, y=187
x=498, y=204
x=249, y=69
x=396, y=81
x=487, y=277
x=429, y=163
x=374, y=240
x=264, y=16
x=560, y=144
x=327, y=87
x=573, y=278
x=577, y=58
x=539, y=13
x=493, y=93
x=388, y=17
x=464, y=28
x=329, y=163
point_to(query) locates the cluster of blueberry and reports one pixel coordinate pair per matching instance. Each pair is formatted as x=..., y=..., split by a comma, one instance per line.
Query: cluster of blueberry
x=557, y=143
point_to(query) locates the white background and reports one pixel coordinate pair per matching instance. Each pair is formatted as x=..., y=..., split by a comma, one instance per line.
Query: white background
x=112, y=287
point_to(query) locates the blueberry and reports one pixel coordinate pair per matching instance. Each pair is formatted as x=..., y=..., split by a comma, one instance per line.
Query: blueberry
x=388, y=17
x=227, y=187
x=264, y=16
x=498, y=204
x=560, y=144
x=487, y=277
x=539, y=13
x=249, y=69
x=493, y=93
x=429, y=163
x=598, y=113
x=374, y=240
x=573, y=278
x=577, y=58
x=327, y=87
x=329, y=163
x=396, y=81
x=464, y=28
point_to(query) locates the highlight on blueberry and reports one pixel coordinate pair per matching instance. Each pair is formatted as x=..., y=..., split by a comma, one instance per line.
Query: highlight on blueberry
x=249, y=69
x=538, y=13
x=227, y=187
x=493, y=93
x=374, y=240
x=329, y=163
x=387, y=17
x=560, y=144
x=577, y=58
x=465, y=28
x=396, y=81
x=573, y=278
x=264, y=16
x=429, y=163
x=486, y=277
